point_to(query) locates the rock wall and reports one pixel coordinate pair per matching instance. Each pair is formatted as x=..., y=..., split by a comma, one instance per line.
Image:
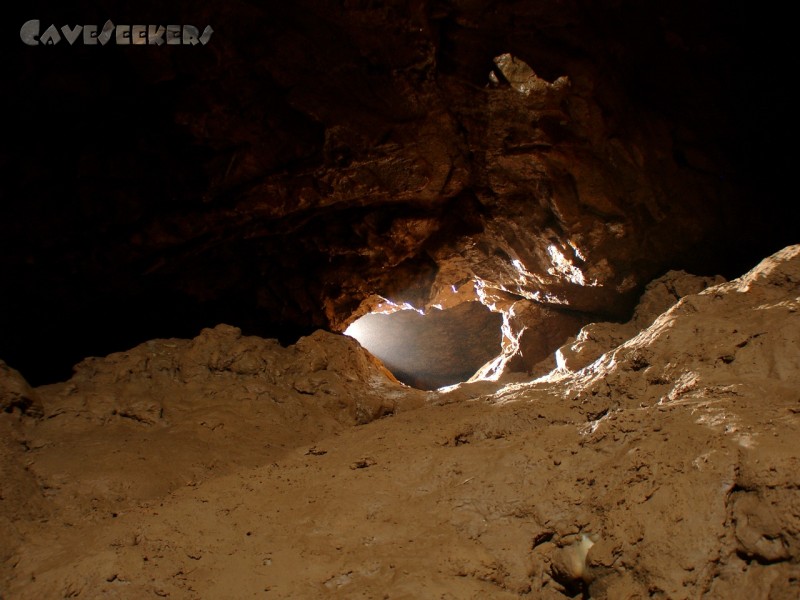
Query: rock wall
x=228, y=465
x=312, y=155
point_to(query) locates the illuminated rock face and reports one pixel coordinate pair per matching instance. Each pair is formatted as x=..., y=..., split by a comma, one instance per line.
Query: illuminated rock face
x=313, y=154
x=226, y=465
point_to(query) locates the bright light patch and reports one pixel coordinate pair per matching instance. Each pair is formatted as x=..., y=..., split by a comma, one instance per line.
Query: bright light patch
x=493, y=369
x=562, y=265
x=370, y=332
x=387, y=307
x=480, y=292
x=359, y=329
x=524, y=274
x=433, y=349
x=577, y=250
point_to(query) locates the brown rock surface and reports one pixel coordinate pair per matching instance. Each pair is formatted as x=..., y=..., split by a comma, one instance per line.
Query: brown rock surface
x=227, y=466
x=598, y=338
x=16, y=394
x=316, y=153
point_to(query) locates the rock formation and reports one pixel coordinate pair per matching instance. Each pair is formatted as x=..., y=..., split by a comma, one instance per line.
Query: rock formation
x=316, y=155
x=229, y=466
x=194, y=227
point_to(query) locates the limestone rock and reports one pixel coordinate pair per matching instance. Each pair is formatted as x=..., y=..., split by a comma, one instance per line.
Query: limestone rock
x=662, y=293
x=16, y=394
x=595, y=339
x=321, y=153
x=145, y=383
x=667, y=467
x=723, y=362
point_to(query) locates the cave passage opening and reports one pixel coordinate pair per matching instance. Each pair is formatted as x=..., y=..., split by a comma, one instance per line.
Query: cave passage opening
x=431, y=349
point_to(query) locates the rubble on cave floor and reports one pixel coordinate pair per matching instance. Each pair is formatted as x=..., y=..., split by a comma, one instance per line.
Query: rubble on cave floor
x=664, y=465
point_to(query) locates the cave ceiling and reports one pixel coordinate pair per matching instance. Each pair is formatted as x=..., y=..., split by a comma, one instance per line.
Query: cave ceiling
x=315, y=155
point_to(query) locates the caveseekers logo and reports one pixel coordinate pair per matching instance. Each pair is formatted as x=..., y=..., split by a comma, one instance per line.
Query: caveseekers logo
x=122, y=35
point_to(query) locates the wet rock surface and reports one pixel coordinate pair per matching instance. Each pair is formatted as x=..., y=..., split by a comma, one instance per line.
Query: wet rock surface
x=226, y=464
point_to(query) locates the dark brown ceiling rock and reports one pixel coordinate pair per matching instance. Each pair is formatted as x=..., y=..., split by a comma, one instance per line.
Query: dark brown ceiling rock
x=315, y=154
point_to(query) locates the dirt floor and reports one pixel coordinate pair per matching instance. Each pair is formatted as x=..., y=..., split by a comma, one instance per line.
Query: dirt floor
x=229, y=467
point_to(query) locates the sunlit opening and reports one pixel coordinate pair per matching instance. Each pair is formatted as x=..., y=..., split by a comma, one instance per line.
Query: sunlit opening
x=434, y=349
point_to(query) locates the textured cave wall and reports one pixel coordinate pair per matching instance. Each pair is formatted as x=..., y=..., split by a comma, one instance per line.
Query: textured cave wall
x=313, y=155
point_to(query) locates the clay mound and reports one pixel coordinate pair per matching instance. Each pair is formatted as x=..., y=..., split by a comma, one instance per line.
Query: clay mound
x=229, y=467
x=694, y=422
x=162, y=380
x=596, y=339
x=16, y=394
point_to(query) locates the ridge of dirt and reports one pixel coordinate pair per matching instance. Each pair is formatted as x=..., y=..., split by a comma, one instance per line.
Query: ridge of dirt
x=229, y=467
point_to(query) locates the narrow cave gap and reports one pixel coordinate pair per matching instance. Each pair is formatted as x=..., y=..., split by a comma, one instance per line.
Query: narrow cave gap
x=434, y=349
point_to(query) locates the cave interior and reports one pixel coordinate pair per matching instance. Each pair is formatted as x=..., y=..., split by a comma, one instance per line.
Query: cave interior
x=504, y=172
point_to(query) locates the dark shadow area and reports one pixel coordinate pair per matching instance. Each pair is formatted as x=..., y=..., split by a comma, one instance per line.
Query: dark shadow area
x=311, y=155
